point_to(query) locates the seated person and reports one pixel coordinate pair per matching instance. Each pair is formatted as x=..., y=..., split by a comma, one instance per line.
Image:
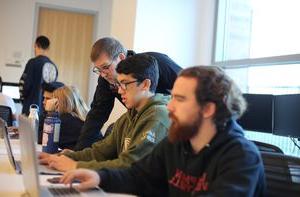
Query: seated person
x=9, y=102
x=47, y=94
x=136, y=132
x=72, y=112
x=205, y=154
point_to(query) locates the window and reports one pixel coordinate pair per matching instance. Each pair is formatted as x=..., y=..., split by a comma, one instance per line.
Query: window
x=258, y=44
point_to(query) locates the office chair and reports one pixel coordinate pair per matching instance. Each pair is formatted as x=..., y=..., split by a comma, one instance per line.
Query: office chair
x=282, y=174
x=267, y=147
x=6, y=114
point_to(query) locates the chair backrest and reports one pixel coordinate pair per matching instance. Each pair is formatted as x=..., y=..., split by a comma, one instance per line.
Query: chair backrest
x=6, y=114
x=267, y=147
x=282, y=174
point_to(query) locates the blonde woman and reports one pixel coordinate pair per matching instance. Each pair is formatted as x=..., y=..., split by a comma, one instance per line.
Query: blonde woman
x=72, y=110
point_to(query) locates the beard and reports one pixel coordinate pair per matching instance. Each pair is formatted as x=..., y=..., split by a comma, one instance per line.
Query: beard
x=183, y=132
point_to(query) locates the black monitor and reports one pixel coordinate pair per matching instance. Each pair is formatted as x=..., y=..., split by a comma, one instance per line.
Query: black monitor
x=259, y=114
x=287, y=115
x=11, y=90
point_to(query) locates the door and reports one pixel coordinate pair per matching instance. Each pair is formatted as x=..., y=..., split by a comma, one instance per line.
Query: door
x=71, y=36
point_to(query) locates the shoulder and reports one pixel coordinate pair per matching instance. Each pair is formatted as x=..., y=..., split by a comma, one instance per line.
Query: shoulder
x=240, y=148
x=157, y=111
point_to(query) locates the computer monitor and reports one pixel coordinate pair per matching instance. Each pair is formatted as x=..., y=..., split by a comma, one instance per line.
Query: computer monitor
x=259, y=114
x=11, y=90
x=286, y=115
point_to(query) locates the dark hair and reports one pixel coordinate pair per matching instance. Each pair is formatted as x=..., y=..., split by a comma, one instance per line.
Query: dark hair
x=42, y=42
x=50, y=87
x=108, y=45
x=140, y=67
x=213, y=85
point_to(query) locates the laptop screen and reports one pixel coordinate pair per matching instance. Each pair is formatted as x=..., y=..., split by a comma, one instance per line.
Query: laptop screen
x=11, y=90
x=7, y=144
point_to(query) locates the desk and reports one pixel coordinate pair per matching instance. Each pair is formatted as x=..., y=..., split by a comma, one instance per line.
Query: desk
x=11, y=184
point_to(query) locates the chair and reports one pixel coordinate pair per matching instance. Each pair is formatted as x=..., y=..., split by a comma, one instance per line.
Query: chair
x=282, y=174
x=6, y=114
x=267, y=147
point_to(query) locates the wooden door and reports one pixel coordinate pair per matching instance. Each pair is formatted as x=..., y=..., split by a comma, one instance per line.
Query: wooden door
x=71, y=36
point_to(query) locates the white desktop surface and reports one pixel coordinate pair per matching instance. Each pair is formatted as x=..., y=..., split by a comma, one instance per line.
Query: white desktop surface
x=11, y=184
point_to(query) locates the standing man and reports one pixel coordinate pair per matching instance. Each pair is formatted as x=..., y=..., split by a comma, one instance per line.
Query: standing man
x=205, y=154
x=38, y=70
x=106, y=54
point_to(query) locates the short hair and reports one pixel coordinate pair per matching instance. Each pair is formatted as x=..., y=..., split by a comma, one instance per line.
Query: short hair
x=108, y=45
x=50, y=87
x=70, y=101
x=42, y=42
x=140, y=67
x=213, y=85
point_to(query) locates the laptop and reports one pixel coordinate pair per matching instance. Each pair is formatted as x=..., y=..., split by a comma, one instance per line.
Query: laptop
x=17, y=164
x=30, y=168
x=10, y=155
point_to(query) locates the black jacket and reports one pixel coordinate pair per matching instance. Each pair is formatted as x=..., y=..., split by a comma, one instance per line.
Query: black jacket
x=230, y=166
x=31, y=83
x=104, y=98
x=69, y=131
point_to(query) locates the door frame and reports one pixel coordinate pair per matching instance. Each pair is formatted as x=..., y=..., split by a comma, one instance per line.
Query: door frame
x=95, y=14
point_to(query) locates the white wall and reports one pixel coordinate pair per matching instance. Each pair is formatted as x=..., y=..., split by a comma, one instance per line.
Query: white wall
x=18, y=30
x=183, y=29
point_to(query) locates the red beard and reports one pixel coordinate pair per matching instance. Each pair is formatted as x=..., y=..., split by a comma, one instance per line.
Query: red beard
x=183, y=132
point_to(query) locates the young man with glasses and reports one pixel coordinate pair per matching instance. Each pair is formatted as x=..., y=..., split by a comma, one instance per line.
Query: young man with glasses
x=106, y=54
x=205, y=154
x=136, y=132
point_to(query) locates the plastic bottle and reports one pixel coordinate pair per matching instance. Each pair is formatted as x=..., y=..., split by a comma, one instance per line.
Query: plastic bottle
x=51, y=130
x=34, y=117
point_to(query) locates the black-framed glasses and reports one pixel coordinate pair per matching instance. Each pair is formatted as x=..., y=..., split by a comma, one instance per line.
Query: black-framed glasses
x=124, y=85
x=98, y=70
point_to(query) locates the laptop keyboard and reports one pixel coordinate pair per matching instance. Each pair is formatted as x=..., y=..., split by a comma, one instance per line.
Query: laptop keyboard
x=63, y=191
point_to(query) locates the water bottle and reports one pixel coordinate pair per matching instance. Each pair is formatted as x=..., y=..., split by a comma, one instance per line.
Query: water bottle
x=34, y=118
x=51, y=130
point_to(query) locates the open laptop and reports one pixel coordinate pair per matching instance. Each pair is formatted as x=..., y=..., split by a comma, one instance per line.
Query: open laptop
x=10, y=155
x=17, y=164
x=30, y=172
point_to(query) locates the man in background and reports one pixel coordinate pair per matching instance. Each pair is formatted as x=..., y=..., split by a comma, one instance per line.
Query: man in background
x=106, y=54
x=38, y=70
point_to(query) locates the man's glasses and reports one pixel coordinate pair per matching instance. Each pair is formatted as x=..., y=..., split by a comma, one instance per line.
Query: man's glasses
x=124, y=85
x=98, y=71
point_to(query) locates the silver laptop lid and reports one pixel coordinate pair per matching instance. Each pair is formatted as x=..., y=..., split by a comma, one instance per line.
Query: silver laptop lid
x=28, y=157
x=7, y=144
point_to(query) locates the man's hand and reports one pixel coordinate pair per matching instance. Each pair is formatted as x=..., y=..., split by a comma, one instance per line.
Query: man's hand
x=44, y=158
x=88, y=178
x=61, y=163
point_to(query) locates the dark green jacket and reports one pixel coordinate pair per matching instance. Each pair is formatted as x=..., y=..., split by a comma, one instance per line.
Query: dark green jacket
x=134, y=135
